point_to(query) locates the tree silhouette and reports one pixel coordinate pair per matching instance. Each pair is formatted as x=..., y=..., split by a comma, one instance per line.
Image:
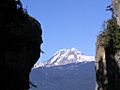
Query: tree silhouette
x=20, y=41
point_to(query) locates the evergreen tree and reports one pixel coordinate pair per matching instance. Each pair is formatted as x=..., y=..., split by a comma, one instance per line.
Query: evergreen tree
x=112, y=34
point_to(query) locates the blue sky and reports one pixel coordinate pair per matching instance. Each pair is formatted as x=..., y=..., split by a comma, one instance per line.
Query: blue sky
x=68, y=23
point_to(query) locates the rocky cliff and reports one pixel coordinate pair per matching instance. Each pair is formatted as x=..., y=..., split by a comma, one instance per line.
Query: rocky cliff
x=108, y=57
x=116, y=9
x=100, y=62
x=20, y=40
x=108, y=52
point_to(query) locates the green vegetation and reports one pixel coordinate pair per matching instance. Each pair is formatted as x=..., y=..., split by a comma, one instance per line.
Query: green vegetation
x=111, y=33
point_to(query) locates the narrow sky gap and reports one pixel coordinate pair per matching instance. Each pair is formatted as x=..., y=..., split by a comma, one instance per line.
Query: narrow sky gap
x=68, y=23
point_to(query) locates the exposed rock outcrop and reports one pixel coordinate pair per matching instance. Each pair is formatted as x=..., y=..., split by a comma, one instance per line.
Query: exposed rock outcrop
x=108, y=52
x=101, y=71
x=107, y=57
x=116, y=9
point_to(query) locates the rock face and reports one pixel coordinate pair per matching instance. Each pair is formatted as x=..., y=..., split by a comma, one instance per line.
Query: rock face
x=100, y=63
x=107, y=65
x=20, y=40
x=108, y=56
x=113, y=70
x=116, y=9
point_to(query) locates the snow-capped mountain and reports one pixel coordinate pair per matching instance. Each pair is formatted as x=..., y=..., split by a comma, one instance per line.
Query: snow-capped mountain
x=66, y=56
x=68, y=69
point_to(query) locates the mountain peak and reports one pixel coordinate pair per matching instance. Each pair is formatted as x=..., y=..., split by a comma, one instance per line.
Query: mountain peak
x=68, y=51
x=67, y=56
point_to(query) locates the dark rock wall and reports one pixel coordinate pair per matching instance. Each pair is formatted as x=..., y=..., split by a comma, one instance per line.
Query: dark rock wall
x=107, y=68
x=20, y=45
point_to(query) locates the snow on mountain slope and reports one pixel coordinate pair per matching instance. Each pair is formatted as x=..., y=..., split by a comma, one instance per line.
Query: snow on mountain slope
x=68, y=69
x=66, y=56
x=74, y=76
